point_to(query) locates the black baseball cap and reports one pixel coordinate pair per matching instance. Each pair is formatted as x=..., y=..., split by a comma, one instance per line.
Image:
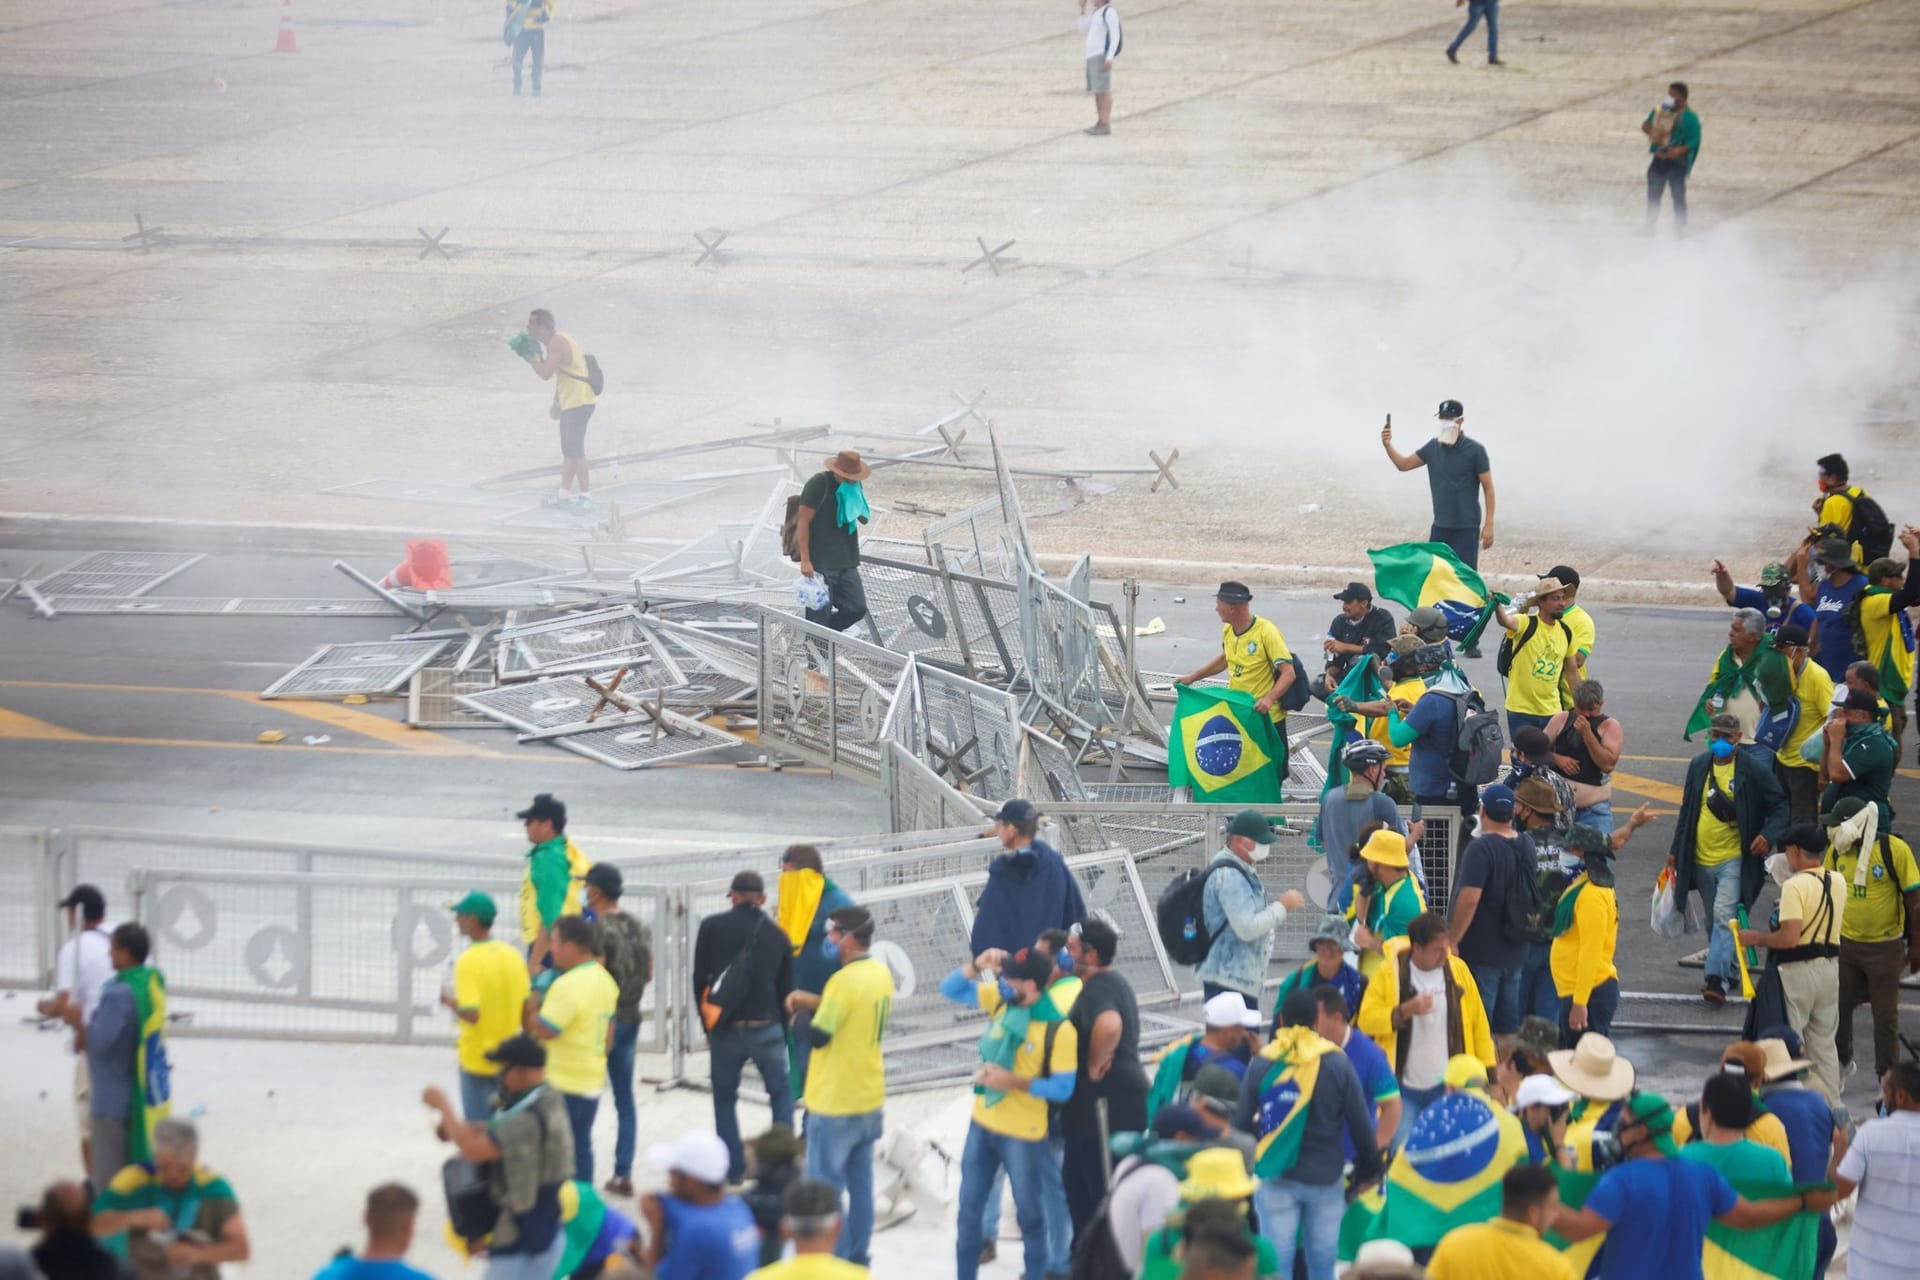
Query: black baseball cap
x=1790, y=636
x=605, y=877
x=1355, y=591
x=1861, y=700
x=1567, y=574
x=92, y=903
x=545, y=807
x=519, y=1051
x=1017, y=811
x=1451, y=410
x=1234, y=593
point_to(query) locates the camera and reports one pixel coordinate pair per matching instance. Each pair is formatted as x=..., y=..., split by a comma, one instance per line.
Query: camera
x=26, y=1218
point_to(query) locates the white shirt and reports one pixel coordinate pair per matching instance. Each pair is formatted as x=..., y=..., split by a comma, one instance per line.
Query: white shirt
x=1102, y=29
x=1885, y=1160
x=1427, y=1032
x=84, y=966
x=1140, y=1206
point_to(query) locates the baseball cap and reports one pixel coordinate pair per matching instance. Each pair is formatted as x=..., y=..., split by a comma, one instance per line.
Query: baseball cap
x=1177, y=1118
x=1790, y=636
x=1884, y=567
x=519, y=1051
x=698, y=1154
x=1497, y=800
x=1451, y=410
x=605, y=877
x=92, y=903
x=1843, y=811
x=1215, y=1086
x=1464, y=1071
x=1355, y=591
x=1250, y=1018
x=1252, y=824
x=1017, y=811
x=1861, y=700
x=1541, y=1091
x=1653, y=1111
x=747, y=882
x=1724, y=722
x=1234, y=593
x=1773, y=574
x=1224, y=1010
x=544, y=807
x=478, y=905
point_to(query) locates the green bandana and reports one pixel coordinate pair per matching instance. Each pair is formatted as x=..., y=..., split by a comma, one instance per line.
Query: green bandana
x=851, y=505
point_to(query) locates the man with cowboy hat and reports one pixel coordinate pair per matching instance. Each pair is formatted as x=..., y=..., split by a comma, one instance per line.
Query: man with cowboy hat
x=833, y=506
x=1816, y=1129
x=1539, y=644
x=1256, y=658
x=1600, y=1080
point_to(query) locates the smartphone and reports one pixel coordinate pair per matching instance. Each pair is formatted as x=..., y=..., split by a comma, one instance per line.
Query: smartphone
x=1389, y=422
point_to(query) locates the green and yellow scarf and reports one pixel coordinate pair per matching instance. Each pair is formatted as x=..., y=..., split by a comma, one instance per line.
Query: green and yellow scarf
x=1286, y=1092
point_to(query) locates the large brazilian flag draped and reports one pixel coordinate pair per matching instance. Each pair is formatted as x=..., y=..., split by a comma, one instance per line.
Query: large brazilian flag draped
x=152, y=1078
x=1417, y=574
x=1223, y=748
x=1783, y=1251
x=1447, y=1176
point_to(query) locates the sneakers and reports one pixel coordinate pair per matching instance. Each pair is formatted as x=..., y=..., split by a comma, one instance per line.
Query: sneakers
x=988, y=1252
x=581, y=502
x=620, y=1187
x=1452, y=57
x=1099, y=130
x=1492, y=62
x=1715, y=992
x=560, y=499
x=1471, y=653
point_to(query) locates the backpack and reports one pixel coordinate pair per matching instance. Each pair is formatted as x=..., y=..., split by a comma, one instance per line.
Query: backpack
x=1095, y=1255
x=1300, y=692
x=1180, y=914
x=1509, y=647
x=472, y=1212
x=1119, y=40
x=1870, y=527
x=1522, y=916
x=595, y=380
x=790, y=529
x=1479, y=743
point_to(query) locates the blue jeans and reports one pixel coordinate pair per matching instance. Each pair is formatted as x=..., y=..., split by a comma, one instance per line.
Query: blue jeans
x=731, y=1048
x=1517, y=720
x=528, y=1266
x=846, y=598
x=476, y=1097
x=1500, y=993
x=1669, y=176
x=1598, y=816
x=1537, y=996
x=1602, y=1003
x=1719, y=890
x=840, y=1154
x=1476, y=10
x=580, y=1113
x=1059, y=1214
x=1312, y=1214
x=1030, y=1166
x=1412, y=1103
x=620, y=1075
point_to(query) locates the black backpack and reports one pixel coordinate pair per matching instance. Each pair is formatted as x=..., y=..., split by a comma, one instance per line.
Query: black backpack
x=1095, y=1255
x=1870, y=527
x=1479, y=742
x=1523, y=918
x=1510, y=647
x=1119, y=36
x=595, y=380
x=1180, y=914
x=1300, y=692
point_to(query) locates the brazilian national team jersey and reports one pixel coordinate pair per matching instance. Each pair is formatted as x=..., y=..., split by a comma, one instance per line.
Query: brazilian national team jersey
x=1253, y=659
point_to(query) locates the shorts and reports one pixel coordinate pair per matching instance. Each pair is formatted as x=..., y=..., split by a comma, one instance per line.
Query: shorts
x=82, y=1094
x=1099, y=75
x=573, y=430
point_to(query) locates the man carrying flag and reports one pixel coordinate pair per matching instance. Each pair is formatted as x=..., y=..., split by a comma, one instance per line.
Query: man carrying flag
x=1753, y=681
x=1299, y=1094
x=127, y=1057
x=1258, y=663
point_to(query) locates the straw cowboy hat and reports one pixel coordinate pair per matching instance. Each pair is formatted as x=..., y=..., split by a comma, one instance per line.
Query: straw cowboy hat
x=1592, y=1069
x=847, y=465
x=1217, y=1173
x=1385, y=1260
x=1781, y=1061
x=1550, y=585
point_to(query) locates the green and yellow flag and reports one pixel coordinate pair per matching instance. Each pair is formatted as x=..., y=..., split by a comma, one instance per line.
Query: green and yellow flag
x=1784, y=1251
x=1223, y=748
x=1290, y=1064
x=1448, y=1175
x=152, y=1078
x=1418, y=574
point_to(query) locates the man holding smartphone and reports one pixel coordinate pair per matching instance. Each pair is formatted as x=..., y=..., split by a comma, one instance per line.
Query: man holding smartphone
x=1457, y=474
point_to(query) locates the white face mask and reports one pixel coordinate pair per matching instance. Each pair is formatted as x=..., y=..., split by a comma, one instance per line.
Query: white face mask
x=1450, y=434
x=1259, y=852
x=1667, y=104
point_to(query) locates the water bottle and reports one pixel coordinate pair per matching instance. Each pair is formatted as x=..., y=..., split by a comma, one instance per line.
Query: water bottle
x=1190, y=929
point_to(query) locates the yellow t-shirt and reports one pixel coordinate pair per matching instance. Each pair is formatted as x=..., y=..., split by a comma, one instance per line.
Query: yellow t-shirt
x=1580, y=622
x=1533, y=685
x=1873, y=908
x=571, y=389
x=810, y=1266
x=1813, y=690
x=579, y=1005
x=1582, y=957
x=1766, y=1130
x=1837, y=508
x=1881, y=630
x=1497, y=1250
x=1800, y=899
x=1018, y=1114
x=490, y=977
x=1715, y=841
x=846, y=1076
x=1410, y=691
x=1252, y=656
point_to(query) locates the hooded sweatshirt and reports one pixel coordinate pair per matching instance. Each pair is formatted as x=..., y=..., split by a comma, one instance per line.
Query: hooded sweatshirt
x=1029, y=891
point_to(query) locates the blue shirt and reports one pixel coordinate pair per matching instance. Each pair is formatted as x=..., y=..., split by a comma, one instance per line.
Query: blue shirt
x=1433, y=719
x=708, y=1241
x=1204, y=1055
x=1800, y=615
x=1663, y=1208
x=1836, y=636
x=351, y=1268
x=1376, y=1076
x=1809, y=1121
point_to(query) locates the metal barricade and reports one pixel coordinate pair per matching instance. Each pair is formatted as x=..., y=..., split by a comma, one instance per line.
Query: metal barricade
x=825, y=696
x=28, y=929
x=917, y=797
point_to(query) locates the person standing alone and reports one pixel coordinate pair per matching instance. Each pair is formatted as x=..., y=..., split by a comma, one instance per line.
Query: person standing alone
x=1102, y=30
x=527, y=21
x=565, y=365
x=625, y=944
x=833, y=506
x=1673, y=139
x=1457, y=473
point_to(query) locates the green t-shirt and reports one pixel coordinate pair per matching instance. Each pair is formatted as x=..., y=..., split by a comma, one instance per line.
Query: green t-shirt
x=204, y=1204
x=1158, y=1262
x=1742, y=1161
x=1871, y=753
x=1686, y=133
x=828, y=545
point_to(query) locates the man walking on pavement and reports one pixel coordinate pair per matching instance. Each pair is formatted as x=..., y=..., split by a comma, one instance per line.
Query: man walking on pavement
x=1238, y=916
x=489, y=999
x=846, y=1075
x=1458, y=473
x=548, y=891
x=833, y=506
x=1804, y=946
x=743, y=946
x=1673, y=158
x=575, y=1018
x=1102, y=30
x=625, y=944
x=565, y=365
x=82, y=970
x=1476, y=10
x=1256, y=658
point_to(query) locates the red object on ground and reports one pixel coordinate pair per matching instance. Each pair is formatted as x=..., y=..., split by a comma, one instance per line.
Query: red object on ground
x=426, y=567
x=286, y=43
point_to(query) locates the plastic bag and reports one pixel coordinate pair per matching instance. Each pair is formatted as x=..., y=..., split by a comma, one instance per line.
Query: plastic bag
x=812, y=592
x=1669, y=917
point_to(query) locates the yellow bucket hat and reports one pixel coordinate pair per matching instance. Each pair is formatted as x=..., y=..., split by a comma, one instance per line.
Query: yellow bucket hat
x=1217, y=1173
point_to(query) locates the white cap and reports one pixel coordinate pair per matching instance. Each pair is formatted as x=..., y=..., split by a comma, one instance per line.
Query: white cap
x=1541, y=1091
x=697, y=1153
x=1249, y=1018
x=1228, y=1010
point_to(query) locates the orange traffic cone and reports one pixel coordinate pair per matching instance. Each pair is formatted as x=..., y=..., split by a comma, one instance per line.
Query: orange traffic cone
x=286, y=43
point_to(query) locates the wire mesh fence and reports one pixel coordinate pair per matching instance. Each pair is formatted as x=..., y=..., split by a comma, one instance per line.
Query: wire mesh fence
x=26, y=909
x=825, y=696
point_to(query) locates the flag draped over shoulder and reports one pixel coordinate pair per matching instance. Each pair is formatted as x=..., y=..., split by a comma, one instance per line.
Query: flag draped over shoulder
x=1894, y=662
x=1447, y=1176
x=1574, y=1189
x=1784, y=1251
x=1223, y=748
x=1418, y=574
x=1764, y=676
x=1290, y=1067
x=153, y=1087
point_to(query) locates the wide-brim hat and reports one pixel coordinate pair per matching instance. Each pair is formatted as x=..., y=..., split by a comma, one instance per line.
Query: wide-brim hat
x=1781, y=1061
x=1385, y=848
x=1385, y=1260
x=1550, y=585
x=1593, y=1069
x=1217, y=1173
x=847, y=465
x=1835, y=554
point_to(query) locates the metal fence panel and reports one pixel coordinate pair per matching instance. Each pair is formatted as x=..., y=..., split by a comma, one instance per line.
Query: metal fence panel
x=825, y=696
x=368, y=667
x=967, y=731
x=27, y=923
x=116, y=573
x=597, y=641
x=918, y=799
x=977, y=540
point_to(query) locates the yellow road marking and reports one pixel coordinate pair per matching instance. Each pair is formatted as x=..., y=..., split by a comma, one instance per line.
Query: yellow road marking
x=15, y=725
x=1648, y=788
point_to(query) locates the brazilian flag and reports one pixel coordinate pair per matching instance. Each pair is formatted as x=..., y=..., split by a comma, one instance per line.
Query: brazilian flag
x=1223, y=748
x=1784, y=1251
x=152, y=1077
x=1448, y=1175
x=1417, y=574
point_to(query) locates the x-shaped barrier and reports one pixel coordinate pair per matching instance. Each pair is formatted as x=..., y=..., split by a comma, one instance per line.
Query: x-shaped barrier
x=992, y=259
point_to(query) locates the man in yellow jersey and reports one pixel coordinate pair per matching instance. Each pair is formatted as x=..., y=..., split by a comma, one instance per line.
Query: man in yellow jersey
x=1509, y=1247
x=489, y=993
x=846, y=1076
x=1732, y=813
x=1813, y=689
x=1579, y=621
x=565, y=365
x=575, y=1018
x=1879, y=930
x=555, y=872
x=1892, y=589
x=1536, y=648
x=526, y=31
x=1256, y=658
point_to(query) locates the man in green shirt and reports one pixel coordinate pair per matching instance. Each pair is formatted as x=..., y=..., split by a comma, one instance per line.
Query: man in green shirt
x=1726, y=1109
x=1673, y=154
x=833, y=506
x=1859, y=755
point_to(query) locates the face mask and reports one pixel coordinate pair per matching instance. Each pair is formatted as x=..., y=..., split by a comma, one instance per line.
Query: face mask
x=1667, y=104
x=1450, y=434
x=1260, y=852
x=1721, y=749
x=829, y=950
x=1007, y=994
